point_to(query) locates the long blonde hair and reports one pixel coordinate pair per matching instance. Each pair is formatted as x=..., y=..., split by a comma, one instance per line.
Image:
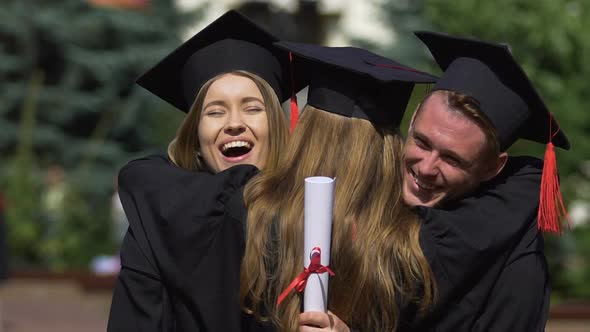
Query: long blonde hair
x=184, y=147
x=375, y=249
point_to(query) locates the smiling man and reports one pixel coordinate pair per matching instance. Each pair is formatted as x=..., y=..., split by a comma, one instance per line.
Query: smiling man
x=478, y=206
x=491, y=274
x=451, y=148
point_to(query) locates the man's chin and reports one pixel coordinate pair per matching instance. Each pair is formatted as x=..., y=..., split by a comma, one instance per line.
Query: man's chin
x=414, y=200
x=431, y=200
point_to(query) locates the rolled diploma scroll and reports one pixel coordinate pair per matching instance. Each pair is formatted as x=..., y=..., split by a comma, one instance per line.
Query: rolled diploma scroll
x=318, y=205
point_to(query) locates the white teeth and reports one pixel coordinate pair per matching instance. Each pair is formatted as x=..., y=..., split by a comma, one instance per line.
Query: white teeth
x=420, y=184
x=235, y=144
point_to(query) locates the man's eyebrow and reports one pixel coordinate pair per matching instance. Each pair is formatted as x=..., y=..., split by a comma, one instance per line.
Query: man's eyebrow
x=420, y=136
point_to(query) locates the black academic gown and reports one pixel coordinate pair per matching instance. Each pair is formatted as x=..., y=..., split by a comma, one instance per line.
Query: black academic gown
x=487, y=256
x=181, y=255
x=519, y=299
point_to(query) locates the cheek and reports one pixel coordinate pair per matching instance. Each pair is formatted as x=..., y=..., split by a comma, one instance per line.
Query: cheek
x=259, y=126
x=411, y=153
x=456, y=179
x=206, y=132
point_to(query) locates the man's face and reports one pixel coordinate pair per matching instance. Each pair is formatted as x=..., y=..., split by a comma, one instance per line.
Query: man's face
x=442, y=155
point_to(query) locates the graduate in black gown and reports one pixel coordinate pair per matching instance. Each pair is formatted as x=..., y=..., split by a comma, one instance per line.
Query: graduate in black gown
x=479, y=232
x=506, y=285
x=181, y=255
x=186, y=239
x=349, y=130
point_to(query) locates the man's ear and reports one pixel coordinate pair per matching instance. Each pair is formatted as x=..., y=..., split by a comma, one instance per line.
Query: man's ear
x=495, y=166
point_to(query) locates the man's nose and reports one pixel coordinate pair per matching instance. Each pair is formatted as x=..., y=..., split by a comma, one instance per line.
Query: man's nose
x=428, y=167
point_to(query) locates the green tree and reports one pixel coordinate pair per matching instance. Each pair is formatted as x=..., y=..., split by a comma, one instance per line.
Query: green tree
x=548, y=39
x=402, y=18
x=21, y=188
x=86, y=113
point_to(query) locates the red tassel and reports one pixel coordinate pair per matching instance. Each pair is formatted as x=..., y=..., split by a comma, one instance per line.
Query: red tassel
x=294, y=112
x=551, y=207
x=294, y=116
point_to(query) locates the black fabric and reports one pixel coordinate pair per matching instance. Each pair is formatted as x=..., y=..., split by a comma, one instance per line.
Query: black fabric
x=489, y=73
x=519, y=299
x=232, y=42
x=479, y=246
x=473, y=78
x=181, y=256
x=354, y=82
x=229, y=55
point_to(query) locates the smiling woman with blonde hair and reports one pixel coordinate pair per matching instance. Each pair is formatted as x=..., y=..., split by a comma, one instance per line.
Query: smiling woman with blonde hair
x=246, y=113
x=229, y=78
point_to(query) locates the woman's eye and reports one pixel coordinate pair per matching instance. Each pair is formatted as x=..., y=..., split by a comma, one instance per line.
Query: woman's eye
x=254, y=109
x=214, y=112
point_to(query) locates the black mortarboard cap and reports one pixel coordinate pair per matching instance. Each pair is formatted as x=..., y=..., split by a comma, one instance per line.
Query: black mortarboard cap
x=354, y=82
x=232, y=42
x=489, y=73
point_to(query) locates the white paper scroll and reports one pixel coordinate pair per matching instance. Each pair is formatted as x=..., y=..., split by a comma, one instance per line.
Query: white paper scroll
x=318, y=205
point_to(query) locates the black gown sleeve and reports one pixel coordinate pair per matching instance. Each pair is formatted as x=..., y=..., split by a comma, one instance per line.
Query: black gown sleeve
x=461, y=241
x=519, y=300
x=139, y=298
x=181, y=251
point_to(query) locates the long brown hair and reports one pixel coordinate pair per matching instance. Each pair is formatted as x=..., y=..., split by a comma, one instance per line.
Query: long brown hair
x=184, y=147
x=375, y=249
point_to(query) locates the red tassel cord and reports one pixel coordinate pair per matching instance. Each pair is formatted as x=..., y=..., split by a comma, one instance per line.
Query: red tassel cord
x=315, y=266
x=294, y=116
x=551, y=206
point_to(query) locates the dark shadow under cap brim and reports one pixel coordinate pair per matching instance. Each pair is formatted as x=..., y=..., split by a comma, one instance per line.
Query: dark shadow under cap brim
x=230, y=43
x=502, y=82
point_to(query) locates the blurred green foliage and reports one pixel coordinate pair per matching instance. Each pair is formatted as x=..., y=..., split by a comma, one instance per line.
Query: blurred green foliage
x=68, y=98
x=21, y=188
x=550, y=41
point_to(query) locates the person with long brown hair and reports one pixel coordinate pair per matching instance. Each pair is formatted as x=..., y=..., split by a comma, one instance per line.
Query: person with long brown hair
x=349, y=130
x=230, y=80
x=479, y=228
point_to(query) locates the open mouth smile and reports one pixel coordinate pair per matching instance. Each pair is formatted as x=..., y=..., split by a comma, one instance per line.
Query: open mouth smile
x=236, y=151
x=421, y=185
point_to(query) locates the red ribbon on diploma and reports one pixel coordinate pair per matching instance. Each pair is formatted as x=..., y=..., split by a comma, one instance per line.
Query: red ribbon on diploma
x=315, y=266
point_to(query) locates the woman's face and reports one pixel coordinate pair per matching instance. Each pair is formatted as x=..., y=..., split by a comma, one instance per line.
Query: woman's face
x=233, y=127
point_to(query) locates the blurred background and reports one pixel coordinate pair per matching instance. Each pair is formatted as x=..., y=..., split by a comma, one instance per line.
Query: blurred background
x=71, y=117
